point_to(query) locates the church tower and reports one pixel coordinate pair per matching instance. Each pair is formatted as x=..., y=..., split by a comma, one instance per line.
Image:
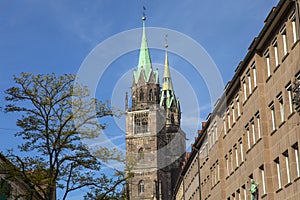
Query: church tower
x=155, y=144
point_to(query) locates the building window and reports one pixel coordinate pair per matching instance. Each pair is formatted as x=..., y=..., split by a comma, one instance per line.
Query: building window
x=231, y=160
x=242, y=150
x=145, y=125
x=245, y=88
x=271, y=106
x=227, y=165
x=268, y=62
x=249, y=82
x=257, y=116
x=238, y=193
x=224, y=125
x=284, y=41
x=141, y=95
x=290, y=97
x=236, y=156
x=281, y=107
x=138, y=125
x=209, y=139
x=141, y=123
x=244, y=191
x=238, y=106
x=248, y=136
x=294, y=28
x=263, y=180
x=296, y=152
x=253, y=130
x=275, y=47
x=254, y=75
x=150, y=95
x=233, y=112
x=141, y=154
x=276, y=161
x=228, y=118
x=216, y=131
x=141, y=187
x=287, y=166
x=218, y=170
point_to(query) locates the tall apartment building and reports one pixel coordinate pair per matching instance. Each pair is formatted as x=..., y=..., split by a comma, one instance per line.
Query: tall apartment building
x=254, y=130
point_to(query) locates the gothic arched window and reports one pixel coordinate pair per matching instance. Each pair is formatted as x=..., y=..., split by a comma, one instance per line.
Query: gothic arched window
x=137, y=125
x=141, y=95
x=172, y=119
x=141, y=154
x=145, y=125
x=141, y=186
x=150, y=95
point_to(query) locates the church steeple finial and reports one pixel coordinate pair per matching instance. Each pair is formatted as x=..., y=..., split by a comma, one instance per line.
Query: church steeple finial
x=145, y=63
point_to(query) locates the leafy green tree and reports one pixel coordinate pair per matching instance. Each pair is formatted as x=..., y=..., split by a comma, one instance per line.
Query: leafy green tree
x=56, y=115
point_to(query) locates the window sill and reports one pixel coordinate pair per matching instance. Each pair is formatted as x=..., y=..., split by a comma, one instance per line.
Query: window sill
x=285, y=56
x=254, y=89
x=296, y=179
x=259, y=139
x=276, y=68
x=250, y=94
x=233, y=124
x=273, y=132
x=288, y=184
x=245, y=101
x=253, y=145
x=281, y=124
x=291, y=115
x=242, y=163
x=264, y=195
x=248, y=151
x=295, y=44
x=229, y=130
x=269, y=77
x=278, y=190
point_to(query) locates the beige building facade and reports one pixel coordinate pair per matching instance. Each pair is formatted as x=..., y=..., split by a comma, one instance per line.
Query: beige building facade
x=253, y=132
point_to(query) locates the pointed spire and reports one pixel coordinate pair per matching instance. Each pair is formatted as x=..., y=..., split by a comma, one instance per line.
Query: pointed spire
x=167, y=81
x=145, y=63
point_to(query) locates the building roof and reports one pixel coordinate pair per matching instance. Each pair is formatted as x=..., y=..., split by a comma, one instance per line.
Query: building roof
x=144, y=64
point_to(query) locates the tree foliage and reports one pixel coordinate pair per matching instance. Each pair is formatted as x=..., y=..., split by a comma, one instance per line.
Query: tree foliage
x=56, y=115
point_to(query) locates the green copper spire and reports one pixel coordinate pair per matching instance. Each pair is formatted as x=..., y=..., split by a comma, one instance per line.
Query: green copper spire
x=145, y=64
x=167, y=82
x=167, y=93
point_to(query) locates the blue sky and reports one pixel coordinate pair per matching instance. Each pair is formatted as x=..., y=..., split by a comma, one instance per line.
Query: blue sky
x=56, y=36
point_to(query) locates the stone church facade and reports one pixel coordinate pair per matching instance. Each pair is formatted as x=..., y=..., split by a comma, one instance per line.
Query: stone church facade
x=155, y=144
